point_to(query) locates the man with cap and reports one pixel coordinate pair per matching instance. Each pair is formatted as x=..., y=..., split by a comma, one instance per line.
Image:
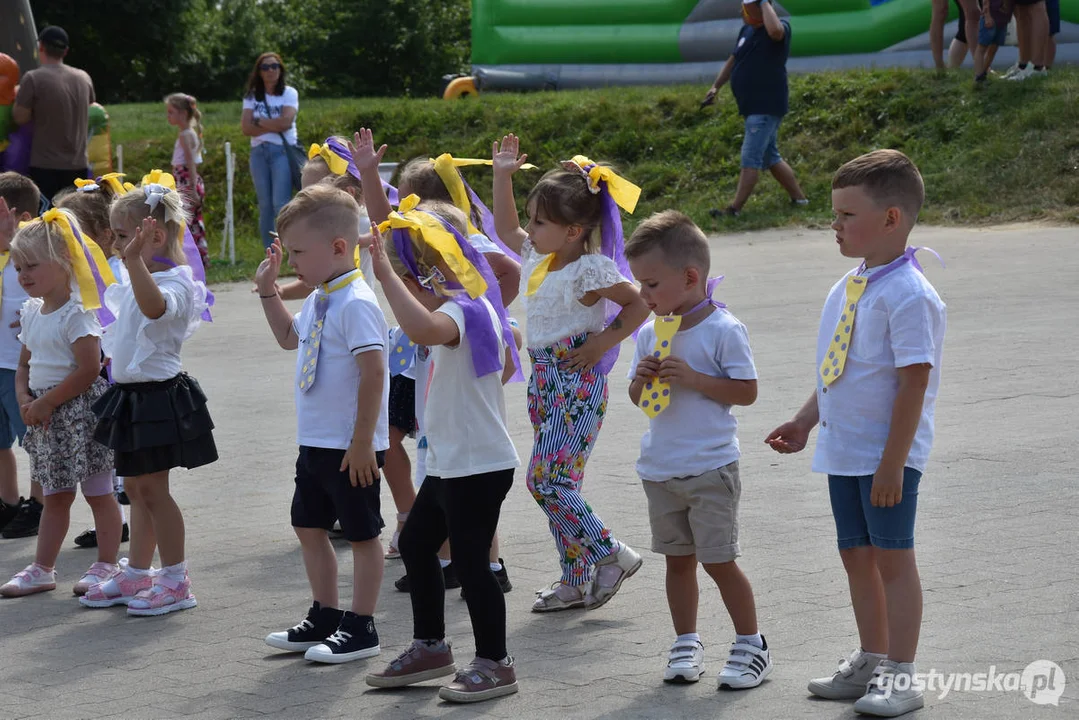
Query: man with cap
x=57, y=98
x=757, y=72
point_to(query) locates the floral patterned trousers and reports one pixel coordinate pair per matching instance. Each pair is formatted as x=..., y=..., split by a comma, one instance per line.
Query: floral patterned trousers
x=566, y=409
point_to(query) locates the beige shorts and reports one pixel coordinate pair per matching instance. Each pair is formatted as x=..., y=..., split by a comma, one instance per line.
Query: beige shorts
x=696, y=515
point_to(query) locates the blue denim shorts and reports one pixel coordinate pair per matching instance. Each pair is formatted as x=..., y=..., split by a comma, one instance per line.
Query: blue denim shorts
x=858, y=523
x=987, y=37
x=759, y=149
x=11, y=426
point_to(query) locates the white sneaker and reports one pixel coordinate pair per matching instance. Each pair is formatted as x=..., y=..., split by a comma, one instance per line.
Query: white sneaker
x=850, y=680
x=1022, y=74
x=891, y=692
x=32, y=579
x=1010, y=71
x=747, y=666
x=685, y=664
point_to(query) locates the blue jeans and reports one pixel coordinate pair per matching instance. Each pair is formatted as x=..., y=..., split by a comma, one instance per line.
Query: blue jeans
x=273, y=185
x=759, y=149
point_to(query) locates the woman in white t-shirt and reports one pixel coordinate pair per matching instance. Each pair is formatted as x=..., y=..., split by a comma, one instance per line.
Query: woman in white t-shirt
x=269, y=112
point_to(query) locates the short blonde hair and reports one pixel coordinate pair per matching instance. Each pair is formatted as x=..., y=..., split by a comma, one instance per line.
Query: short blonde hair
x=43, y=242
x=330, y=213
x=675, y=237
x=170, y=214
x=888, y=177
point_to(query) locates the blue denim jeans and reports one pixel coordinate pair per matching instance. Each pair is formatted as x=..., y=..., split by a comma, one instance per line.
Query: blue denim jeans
x=759, y=149
x=273, y=185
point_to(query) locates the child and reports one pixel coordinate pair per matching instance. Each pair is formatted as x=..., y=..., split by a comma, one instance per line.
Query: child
x=183, y=113
x=19, y=201
x=57, y=382
x=992, y=33
x=155, y=416
x=341, y=414
x=689, y=456
x=565, y=283
x=874, y=403
x=470, y=464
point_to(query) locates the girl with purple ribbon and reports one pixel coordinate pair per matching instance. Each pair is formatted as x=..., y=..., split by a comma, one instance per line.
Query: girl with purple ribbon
x=567, y=281
x=57, y=383
x=155, y=417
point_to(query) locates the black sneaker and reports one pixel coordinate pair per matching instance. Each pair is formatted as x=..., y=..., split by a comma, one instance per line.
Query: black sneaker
x=122, y=498
x=449, y=579
x=503, y=578
x=313, y=630
x=88, y=538
x=355, y=639
x=8, y=512
x=26, y=522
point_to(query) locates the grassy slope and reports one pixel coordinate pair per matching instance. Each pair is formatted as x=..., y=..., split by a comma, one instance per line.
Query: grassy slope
x=1008, y=153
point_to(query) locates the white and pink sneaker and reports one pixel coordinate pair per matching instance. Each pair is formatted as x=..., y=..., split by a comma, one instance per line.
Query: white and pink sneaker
x=98, y=573
x=119, y=589
x=167, y=594
x=33, y=579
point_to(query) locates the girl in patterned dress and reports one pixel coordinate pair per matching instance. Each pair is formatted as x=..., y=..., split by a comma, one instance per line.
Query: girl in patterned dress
x=183, y=113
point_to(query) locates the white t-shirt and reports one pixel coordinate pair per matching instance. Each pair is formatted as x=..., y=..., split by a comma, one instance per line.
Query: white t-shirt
x=10, y=305
x=326, y=413
x=484, y=244
x=145, y=350
x=554, y=313
x=49, y=336
x=899, y=321
x=271, y=108
x=465, y=416
x=695, y=434
x=178, y=156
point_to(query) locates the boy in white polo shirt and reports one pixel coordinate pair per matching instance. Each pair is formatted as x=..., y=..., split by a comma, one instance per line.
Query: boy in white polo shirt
x=342, y=389
x=878, y=369
x=689, y=456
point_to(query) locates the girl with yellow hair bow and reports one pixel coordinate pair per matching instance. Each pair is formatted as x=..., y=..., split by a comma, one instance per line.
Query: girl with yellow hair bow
x=57, y=383
x=573, y=339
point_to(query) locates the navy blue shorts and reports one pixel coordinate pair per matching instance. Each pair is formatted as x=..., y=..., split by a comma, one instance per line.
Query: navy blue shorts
x=325, y=495
x=858, y=523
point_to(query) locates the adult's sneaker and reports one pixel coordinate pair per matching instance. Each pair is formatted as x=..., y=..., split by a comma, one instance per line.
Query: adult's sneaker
x=26, y=521
x=482, y=680
x=320, y=623
x=849, y=681
x=354, y=639
x=685, y=664
x=422, y=660
x=747, y=666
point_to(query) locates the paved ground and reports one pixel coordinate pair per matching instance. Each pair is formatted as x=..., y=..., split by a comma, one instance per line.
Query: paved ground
x=997, y=531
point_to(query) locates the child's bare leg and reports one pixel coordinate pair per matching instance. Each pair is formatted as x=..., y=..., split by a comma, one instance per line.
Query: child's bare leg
x=493, y=555
x=682, y=592
x=444, y=551
x=367, y=566
x=36, y=492
x=867, y=597
x=55, y=519
x=990, y=54
x=168, y=521
x=9, y=477
x=108, y=523
x=903, y=590
x=737, y=595
x=320, y=562
x=140, y=553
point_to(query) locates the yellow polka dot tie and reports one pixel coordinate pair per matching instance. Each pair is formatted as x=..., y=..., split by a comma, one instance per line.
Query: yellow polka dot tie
x=310, y=343
x=656, y=395
x=836, y=357
x=402, y=354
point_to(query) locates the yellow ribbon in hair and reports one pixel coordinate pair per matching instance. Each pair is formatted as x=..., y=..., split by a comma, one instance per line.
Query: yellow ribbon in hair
x=337, y=164
x=446, y=166
x=115, y=182
x=159, y=177
x=84, y=276
x=623, y=192
x=428, y=227
x=83, y=182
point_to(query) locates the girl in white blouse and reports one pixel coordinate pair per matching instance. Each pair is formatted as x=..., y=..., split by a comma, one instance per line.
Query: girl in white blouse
x=566, y=286
x=155, y=416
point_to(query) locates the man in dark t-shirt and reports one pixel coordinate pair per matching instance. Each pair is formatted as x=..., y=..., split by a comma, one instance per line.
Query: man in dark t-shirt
x=757, y=72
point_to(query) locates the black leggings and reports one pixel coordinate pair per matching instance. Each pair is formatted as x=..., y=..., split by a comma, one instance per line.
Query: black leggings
x=464, y=509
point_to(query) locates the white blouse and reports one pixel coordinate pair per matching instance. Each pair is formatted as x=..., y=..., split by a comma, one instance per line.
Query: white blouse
x=145, y=350
x=555, y=313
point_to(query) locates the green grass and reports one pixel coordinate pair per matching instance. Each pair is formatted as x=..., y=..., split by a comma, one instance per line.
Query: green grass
x=1007, y=153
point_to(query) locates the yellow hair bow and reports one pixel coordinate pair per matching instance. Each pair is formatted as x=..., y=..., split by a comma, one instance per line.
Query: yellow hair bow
x=81, y=183
x=78, y=249
x=115, y=182
x=337, y=164
x=431, y=230
x=622, y=191
x=159, y=177
x=446, y=166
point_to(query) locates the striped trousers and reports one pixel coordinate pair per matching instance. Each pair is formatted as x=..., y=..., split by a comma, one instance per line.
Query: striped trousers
x=566, y=410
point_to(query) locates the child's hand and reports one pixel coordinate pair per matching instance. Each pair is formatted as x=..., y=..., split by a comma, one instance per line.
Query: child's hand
x=676, y=372
x=9, y=223
x=266, y=275
x=790, y=437
x=504, y=156
x=38, y=412
x=585, y=357
x=989, y=25
x=647, y=369
x=362, y=465
x=379, y=259
x=365, y=157
x=887, y=490
x=143, y=234
x=18, y=320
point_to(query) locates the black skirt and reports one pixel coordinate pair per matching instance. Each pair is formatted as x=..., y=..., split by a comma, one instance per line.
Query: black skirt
x=402, y=405
x=155, y=426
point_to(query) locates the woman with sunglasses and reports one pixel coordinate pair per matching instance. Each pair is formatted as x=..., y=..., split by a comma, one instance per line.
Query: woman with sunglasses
x=269, y=119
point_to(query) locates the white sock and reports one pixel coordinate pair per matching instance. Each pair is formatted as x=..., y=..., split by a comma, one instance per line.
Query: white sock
x=754, y=639
x=689, y=637
x=133, y=571
x=443, y=563
x=123, y=514
x=496, y=566
x=177, y=570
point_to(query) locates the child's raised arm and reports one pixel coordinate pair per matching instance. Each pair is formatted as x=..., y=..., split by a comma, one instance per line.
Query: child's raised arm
x=634, y=312
x=277, y=315
x=147, y=294
x=505, y=162
x=366, y=160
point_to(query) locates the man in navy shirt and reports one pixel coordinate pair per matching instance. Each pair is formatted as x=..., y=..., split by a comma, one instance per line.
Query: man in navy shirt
x=757, y=72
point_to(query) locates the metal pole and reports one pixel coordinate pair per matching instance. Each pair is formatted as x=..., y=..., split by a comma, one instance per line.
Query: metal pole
x=119, y=158
x=230, y=171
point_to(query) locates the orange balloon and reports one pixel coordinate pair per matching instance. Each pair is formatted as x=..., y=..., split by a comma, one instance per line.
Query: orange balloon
x=9, y=78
